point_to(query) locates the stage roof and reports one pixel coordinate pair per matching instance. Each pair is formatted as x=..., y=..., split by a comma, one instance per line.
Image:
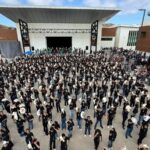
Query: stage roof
x=38, y=14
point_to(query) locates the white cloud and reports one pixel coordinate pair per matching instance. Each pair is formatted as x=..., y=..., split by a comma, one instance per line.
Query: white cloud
x=45, y=2
x=127, y=6
x=10, y=2
x=100, y=3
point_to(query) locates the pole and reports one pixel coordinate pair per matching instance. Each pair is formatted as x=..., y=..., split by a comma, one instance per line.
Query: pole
x=138, y=34
x=144, y=11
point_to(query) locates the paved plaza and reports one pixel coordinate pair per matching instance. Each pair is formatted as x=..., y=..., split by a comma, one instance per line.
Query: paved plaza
x=78, y=141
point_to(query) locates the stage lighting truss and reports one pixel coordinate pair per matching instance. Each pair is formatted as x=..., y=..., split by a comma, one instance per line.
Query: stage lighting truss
x=69, y=31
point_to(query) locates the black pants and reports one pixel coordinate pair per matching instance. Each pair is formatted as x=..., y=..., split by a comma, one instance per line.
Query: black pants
x=58, y=108
x=45, y=128
x=52, y=143
x=96, y=143
x=109, y=122
x=123, y=122
x=140, y=139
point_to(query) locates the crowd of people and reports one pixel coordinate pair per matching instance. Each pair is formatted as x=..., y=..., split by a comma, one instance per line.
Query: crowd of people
x=70, y=85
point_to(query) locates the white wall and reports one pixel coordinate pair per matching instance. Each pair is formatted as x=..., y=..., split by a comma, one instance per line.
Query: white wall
x=79, y=40
x=122, y=37
x=108, y=43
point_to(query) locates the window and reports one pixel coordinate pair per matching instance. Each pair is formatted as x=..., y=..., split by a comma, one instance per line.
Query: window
x=132, y=37
x=106, y=39
x=143, y=34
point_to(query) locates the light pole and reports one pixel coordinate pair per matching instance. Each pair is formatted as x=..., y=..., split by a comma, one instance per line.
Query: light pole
x=138, y=33
x=144, y=11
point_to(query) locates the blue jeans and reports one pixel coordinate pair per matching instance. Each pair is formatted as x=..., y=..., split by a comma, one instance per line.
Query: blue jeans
x=140, y=119
x=110, y=144
x=71, y=114
x=63, y=123
x=79, y=121
x=69, y=133
x=100, y=122
x=87, y=129
x=30, y=124
x=128, y=132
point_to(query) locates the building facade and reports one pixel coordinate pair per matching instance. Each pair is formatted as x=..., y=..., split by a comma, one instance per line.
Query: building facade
x=143, y=41
x=46, y=25
x=8, y=33
x=120, y=37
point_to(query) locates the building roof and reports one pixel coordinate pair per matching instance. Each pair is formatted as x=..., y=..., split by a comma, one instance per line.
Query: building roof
x=38, y=14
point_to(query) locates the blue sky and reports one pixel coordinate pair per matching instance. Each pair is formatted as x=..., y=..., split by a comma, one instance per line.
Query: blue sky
x=128, y=15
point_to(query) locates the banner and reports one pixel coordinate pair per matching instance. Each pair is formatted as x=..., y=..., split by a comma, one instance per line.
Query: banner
x=94, y=33
x=24, y=34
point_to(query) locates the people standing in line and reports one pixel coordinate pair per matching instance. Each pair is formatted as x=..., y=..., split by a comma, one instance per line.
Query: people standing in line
x=7, y=145
x=3, y=120
x=64, y=142
x=45, y=123
x=30, y=121
x=28, y=136
x=142, y=133
x=35, y=144
x=97, y=138
x=52, y=142
x=129, y=128
x=63, y=119
x=71, y=109
x=21, y=77
x=112, y=137
x=20, y=126
x=78, y=118
x=58, y=107
x=111, y=115
x=124, y=117
x=70, y=124
x=88, y=124
x=99, y=117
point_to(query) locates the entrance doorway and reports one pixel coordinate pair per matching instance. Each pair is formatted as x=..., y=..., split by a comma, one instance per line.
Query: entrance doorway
x=59, y=42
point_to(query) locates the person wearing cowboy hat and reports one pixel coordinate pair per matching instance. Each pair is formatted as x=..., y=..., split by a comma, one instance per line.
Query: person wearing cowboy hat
x=64, y=142
x=142, y=133
x=88, y=124
x=63, y=119
x=99, y=116
x=7, y=145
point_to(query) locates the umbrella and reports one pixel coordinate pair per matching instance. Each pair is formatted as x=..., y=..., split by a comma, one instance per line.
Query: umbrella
x=28, y=53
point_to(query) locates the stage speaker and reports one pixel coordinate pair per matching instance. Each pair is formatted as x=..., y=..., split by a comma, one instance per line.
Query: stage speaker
x=87, y=48
x=32, y=48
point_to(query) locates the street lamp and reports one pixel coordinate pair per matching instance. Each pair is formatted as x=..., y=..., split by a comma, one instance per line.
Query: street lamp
x=144, y=11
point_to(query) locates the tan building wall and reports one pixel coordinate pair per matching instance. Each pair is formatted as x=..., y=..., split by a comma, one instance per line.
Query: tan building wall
x=7, y=33
x=143, y=41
